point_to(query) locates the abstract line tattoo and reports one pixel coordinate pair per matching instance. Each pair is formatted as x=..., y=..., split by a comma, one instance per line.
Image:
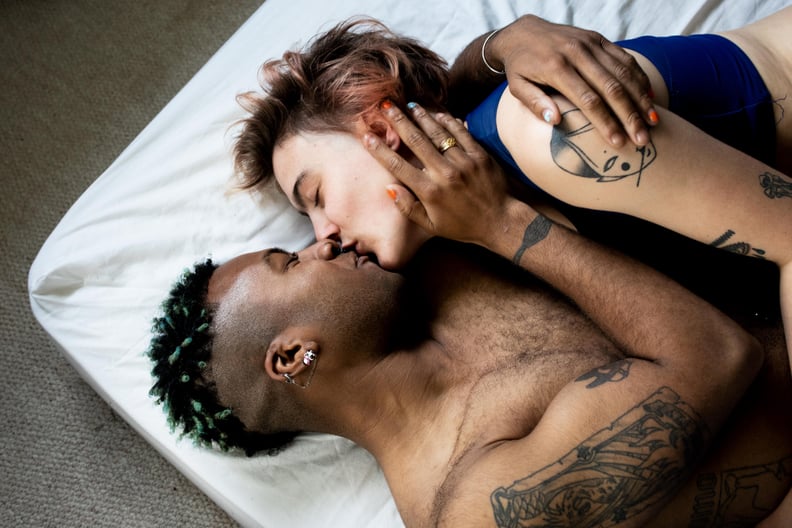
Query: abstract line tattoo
x=775, y=186
x=535, y=232
x=616, y=371
x=733, y=497
x=780, y=106
x=741, y=248
x=635, y=463
x=577, y=149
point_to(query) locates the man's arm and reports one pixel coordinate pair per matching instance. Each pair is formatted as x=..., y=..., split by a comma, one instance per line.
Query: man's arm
x=684, y=180
x=606, y=452
x=594, y=73
x=616, y=444
x=462, y=196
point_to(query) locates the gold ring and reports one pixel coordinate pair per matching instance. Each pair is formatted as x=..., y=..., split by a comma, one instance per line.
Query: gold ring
x=447, y=143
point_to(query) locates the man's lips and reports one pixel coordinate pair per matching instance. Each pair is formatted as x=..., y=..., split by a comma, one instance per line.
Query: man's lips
x=361, y=260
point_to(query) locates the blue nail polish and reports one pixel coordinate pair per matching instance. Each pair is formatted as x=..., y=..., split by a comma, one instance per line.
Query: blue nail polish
x=412, y=105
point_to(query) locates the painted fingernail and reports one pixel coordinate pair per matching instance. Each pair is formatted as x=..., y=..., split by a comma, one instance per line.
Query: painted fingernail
x=547, y=115
x=412, y=106
x=386, y=105
x=653, y=117
x=392, y=194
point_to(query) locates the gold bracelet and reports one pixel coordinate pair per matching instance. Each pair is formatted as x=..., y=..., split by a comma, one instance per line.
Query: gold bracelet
x=484, y=57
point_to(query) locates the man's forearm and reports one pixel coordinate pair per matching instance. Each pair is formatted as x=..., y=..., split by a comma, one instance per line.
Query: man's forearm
x=648, y=314
x=470, y=81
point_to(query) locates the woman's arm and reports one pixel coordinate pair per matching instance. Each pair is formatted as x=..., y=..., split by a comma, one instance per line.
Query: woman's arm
x=594, y=73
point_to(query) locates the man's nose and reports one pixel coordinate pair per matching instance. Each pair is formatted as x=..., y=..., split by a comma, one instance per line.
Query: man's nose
x=326, y=249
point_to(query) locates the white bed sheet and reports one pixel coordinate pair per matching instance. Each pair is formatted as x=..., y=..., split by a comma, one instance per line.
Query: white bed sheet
x=98, y=280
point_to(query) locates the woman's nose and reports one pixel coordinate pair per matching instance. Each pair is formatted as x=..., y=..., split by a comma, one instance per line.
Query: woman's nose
x=324, y=228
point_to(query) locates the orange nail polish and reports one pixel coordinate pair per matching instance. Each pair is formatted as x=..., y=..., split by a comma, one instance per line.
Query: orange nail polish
x=653, y=117
x=392, y=194
x=386, y=105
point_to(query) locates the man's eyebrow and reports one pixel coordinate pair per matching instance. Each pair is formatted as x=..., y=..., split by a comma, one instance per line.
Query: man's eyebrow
x=296, y=196
x=265, y=257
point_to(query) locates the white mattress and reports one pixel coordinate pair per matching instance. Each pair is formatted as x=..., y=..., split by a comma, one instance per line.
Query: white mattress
x=98, y=280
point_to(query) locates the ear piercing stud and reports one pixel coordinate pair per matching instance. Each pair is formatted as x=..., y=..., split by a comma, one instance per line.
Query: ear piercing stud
x=309, y=357
x=309, y=360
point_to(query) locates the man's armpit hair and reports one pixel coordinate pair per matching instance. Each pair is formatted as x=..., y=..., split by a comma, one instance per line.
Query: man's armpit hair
x=638, y=461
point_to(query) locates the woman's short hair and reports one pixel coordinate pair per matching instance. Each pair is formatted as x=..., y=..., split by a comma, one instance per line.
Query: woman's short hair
x=340, y=76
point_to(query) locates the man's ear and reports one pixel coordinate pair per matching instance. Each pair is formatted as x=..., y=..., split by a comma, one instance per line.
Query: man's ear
x=285, y=355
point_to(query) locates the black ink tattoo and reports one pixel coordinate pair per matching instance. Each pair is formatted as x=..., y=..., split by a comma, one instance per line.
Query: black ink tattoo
x=741, y=248
x=638, y=461
x=739, y=496
x=781, y=111
x=575, y=147
x=616, y=371
x=535, y=232
x=775, y=186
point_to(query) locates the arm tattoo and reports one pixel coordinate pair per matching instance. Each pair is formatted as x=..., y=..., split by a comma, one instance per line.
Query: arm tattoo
x=535, y=232
x=577, y=149
x=775, y=186
x=616, y=371
x=740, y=496
x=741, y=248
x=638, y=461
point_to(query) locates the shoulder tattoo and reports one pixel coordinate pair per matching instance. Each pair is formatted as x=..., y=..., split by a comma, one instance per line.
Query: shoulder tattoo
x=577, y=148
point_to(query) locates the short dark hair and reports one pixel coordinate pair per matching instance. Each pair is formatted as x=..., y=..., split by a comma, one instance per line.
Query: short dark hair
x=181, y=350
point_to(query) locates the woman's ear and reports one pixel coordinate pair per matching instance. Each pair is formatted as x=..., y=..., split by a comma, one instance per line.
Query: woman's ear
x=375, y=124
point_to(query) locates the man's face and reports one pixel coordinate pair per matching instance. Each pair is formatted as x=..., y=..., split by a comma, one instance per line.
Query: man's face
x=343, y=294
x=343, y=301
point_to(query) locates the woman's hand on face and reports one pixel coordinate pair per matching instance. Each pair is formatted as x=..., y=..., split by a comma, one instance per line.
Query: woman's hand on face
x=461, y=192
x=596, y=75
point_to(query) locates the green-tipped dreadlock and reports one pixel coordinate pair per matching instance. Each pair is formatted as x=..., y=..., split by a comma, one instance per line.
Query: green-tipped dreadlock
x=181, y=349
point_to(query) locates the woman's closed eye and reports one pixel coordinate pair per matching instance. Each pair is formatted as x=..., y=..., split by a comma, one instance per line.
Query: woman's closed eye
x=317, y=197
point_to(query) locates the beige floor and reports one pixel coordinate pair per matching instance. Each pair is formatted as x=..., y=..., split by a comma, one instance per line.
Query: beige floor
x=80, y=79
